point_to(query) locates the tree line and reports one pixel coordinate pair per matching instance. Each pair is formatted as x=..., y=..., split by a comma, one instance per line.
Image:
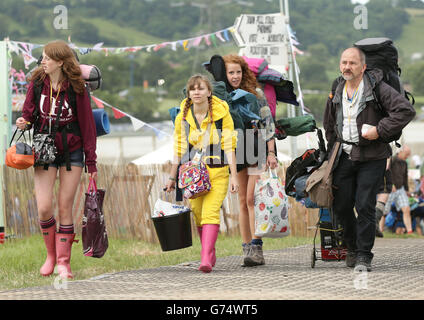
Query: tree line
x=323, y=27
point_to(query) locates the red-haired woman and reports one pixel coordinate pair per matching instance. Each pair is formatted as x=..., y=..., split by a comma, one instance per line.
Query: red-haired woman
x=239, y=76
x=49, y=92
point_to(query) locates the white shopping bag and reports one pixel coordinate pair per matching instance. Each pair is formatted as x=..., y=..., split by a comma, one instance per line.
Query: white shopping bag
x=271, y=208
x=164, y=208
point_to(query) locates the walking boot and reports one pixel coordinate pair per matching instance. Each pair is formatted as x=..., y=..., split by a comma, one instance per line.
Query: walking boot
x=209, y=236
x=64, y=243
x=246, y=250
x=363, y=264
x=351, y=257
x=255, y=256
x=50, y=242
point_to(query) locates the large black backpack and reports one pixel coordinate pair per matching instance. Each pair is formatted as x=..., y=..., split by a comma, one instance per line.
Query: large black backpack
x=380, y=53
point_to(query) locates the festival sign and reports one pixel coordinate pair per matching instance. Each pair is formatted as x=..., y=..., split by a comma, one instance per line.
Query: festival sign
x=262, y=29
x=263, y=36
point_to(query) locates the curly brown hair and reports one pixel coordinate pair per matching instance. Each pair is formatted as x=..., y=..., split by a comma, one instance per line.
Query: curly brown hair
x=248, y=81
x=59, y=50
x=194, y=81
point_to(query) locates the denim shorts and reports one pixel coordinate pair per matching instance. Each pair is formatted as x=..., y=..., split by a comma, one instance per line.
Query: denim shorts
x=76, y=159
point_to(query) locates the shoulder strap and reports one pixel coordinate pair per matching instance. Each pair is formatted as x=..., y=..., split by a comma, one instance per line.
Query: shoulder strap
x=72, y=98
x=206, y=137
x=331, y=161
x=56, y=123
x=334, y=87
x=218, y=124
x=37, y=89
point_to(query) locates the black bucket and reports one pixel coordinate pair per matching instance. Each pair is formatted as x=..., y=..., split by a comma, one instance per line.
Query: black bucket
x=174, y=231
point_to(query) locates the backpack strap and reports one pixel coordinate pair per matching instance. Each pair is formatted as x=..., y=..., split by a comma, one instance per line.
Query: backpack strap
x=37, y=89
x=376, y=95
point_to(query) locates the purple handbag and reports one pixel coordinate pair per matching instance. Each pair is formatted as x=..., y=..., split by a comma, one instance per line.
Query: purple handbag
x=94, y=236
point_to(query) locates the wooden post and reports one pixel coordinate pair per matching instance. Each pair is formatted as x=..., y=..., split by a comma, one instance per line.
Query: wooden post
x=5, y=122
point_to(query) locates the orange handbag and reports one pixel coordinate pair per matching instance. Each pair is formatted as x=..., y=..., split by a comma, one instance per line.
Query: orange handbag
x=20, y=155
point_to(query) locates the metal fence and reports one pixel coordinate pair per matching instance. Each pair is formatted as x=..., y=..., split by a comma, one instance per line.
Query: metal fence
x=131, y=192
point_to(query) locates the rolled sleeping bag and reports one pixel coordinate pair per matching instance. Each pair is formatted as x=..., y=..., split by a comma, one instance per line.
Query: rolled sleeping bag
x=92, y=76
x=102, y=122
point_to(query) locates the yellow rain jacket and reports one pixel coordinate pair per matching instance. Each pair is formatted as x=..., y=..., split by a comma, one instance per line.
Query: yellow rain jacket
x=207, y=208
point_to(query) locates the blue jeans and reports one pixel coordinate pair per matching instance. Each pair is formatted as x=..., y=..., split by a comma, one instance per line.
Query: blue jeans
x=76, y=159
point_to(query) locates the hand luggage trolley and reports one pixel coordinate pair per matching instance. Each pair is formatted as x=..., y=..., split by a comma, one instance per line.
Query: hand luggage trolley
x=331, y=233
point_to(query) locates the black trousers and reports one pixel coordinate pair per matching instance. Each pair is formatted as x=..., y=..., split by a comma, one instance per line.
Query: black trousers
x=355, y=186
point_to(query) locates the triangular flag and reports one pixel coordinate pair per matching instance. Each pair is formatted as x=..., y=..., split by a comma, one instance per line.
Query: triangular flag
x=197, y=41
x=218, y=34
x=207, y=40
x=185, y=45
x=137, y=124
x=98, y=46
x=226, y=35
x=117, y=113
x=213, y=39
x=98, y=103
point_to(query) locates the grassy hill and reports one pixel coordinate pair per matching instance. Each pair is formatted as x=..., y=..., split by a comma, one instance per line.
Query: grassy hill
x=412, y=38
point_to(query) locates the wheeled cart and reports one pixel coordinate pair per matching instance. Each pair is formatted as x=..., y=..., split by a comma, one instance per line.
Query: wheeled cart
x=332, y=247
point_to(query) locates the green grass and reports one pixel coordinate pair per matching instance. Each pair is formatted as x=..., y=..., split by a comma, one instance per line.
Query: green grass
x=132, y=36
x=21, y=259
x=412, y=37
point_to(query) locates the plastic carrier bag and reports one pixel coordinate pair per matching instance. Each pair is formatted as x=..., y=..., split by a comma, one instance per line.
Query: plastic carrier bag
x=271, y=208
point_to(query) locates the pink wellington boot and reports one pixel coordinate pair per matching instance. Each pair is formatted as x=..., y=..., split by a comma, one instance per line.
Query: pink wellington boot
x=213, y=258
x=64, y=243
x=49, y=240
x=209, y=236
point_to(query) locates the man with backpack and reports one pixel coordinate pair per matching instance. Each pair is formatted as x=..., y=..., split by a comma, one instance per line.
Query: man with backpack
x=354, y=117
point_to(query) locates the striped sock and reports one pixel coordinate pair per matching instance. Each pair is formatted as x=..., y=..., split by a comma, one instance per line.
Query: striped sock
x=45, y=224
x=68, y=229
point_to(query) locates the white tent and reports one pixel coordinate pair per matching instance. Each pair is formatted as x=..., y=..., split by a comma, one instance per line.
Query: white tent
x=165, y=154
x=159, y=156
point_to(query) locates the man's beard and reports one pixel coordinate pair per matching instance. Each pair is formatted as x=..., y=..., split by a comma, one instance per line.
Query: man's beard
x=348, y=77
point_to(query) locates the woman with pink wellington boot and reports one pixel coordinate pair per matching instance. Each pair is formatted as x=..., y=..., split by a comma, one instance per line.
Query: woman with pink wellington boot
x=197, y=111
x=48, y=102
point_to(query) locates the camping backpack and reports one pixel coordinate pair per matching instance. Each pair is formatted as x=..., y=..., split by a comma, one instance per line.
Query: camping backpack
x=380, y=53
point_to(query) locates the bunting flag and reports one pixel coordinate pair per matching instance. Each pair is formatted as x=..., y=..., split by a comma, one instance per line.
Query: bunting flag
x=98, y=103
x=118, y=114
x=136, y=123
x=25, y=48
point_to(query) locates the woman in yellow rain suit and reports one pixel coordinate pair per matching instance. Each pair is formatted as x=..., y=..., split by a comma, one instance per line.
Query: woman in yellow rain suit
x=198, y=110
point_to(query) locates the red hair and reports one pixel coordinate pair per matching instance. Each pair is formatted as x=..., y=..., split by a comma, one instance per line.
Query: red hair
x=248, y=81
x=59, y=50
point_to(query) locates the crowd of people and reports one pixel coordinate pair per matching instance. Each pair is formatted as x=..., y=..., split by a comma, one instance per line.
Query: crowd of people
x=366, y=177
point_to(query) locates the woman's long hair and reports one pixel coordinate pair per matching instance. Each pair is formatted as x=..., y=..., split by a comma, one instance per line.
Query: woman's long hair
x=194, y=81
x=59, y=50
x=248, y=81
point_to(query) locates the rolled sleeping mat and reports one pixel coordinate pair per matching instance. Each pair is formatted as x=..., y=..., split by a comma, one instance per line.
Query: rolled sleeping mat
x=92, y=76
x=102, y=122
